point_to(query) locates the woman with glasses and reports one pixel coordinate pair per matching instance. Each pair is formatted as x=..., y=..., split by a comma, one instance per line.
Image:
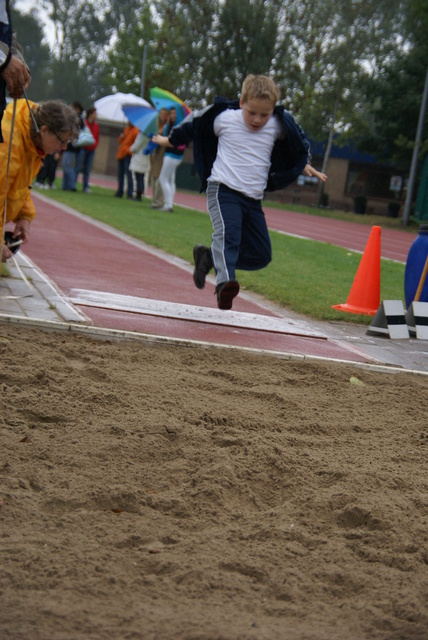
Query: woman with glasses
x=47, y=129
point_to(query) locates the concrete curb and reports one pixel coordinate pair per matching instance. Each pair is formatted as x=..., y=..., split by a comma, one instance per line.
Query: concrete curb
x=117, y=335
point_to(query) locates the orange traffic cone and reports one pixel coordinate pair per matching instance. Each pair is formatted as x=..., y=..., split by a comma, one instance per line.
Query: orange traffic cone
x=364, y=297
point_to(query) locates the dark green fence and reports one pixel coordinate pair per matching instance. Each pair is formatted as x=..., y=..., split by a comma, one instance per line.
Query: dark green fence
x=187, y=178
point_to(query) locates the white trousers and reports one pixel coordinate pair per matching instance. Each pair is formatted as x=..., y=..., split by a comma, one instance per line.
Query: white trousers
x=167, y=178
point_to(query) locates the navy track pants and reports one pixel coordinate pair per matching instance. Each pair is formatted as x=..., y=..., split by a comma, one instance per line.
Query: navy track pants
x=240, y=238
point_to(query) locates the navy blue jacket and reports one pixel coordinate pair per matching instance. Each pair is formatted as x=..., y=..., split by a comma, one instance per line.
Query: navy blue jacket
x=6, y=36
x=289, y=155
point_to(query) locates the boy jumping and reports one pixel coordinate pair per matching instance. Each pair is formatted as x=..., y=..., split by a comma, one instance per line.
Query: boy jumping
x=241, y=149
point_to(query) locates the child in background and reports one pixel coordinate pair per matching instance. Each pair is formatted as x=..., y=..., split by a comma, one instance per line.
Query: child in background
x=241, y=149
x=140, y=163
x=86, y=154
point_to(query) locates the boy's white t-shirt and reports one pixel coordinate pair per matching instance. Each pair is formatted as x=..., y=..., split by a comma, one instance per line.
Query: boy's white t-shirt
x=243, y=157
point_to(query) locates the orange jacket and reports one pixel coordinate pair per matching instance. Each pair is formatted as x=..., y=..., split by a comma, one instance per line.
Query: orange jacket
x=25, y=161
x=126, y=140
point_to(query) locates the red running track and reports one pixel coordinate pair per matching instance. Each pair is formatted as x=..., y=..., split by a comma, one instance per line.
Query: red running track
x=76, y=254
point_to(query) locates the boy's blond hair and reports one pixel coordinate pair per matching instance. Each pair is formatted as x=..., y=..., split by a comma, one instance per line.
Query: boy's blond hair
x=259, y=88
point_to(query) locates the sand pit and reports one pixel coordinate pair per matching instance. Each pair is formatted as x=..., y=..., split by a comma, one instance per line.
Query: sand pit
x=168, y=493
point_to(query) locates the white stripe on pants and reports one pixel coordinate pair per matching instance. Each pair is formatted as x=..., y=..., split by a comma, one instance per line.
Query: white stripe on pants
x=167, y=178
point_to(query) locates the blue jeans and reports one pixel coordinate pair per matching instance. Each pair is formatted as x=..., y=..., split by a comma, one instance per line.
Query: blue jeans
x=84, y=165
x=69, y=159
x=122, y=171
x=139, y=177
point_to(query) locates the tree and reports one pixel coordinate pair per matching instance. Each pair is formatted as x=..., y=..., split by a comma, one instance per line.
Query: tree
x=36, y=52
x=197, y=49
x=299, y=65
x=326, y=49
x=243, y=42
x=80, y=34
x=184, y=47
x=393, y=98
x=124, y=61
x=176, y=34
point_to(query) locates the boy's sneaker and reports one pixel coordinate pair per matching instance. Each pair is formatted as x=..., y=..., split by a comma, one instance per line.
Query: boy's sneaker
x=203, y=264
x=226, y=291
x=87, y=190
x=38, y=185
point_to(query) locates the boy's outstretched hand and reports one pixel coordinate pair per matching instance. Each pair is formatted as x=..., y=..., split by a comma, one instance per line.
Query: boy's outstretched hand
x=311, y=172
x=162, y=141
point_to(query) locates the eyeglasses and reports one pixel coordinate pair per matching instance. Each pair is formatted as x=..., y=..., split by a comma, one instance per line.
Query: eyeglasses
x=60, y=139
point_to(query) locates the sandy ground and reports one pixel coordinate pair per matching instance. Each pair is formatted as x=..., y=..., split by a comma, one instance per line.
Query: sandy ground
x=164, y=492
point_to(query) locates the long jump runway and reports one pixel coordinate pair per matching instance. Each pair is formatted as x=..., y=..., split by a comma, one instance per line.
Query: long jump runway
x=120, y=283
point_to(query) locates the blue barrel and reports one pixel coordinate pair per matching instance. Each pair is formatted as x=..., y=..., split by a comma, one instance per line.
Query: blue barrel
x=416, y=258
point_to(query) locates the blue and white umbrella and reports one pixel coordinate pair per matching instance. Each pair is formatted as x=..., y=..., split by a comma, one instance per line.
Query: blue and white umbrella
x=144, y=118
x=109, y=109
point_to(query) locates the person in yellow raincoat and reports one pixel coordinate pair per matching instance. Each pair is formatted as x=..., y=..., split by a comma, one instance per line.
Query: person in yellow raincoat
x=54, y=125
